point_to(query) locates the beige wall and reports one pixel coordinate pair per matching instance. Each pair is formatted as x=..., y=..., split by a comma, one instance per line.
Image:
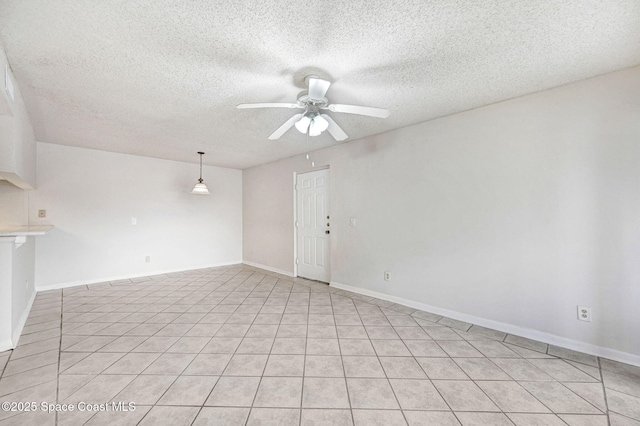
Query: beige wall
x=508, y=215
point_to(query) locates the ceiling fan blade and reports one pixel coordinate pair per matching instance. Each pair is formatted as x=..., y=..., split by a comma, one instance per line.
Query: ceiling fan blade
x=268, y=105
x=286, y=126
x=335, y=130
x=318, y=88
x=354, y=109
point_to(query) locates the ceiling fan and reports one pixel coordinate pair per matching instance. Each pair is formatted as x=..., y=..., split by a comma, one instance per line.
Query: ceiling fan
x=313, y=121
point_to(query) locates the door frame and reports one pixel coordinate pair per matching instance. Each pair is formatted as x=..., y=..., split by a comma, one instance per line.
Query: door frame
x=295, y=216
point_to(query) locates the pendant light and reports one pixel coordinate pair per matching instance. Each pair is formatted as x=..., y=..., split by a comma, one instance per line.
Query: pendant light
x=200, y=188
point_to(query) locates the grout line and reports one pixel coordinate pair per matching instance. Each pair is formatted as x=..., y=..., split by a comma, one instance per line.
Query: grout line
x=344, y=370
x=385, y=372
x=604, y=392
x=425, y=373
x=184, y=292
x=187, y=366
x=239, y=344
x=304, y=356
x=59, y=352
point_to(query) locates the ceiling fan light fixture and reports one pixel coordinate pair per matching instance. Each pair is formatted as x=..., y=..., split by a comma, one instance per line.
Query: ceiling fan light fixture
x=200, y=188
x=303, y=124
x=319, y=123
x=315, y=125
x=314, y=132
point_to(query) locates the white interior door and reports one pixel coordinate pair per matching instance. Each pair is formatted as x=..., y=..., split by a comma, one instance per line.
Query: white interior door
x=312, y=224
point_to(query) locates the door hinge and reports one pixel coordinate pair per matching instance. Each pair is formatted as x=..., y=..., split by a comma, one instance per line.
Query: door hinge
x=297, y=225
x=297, y=261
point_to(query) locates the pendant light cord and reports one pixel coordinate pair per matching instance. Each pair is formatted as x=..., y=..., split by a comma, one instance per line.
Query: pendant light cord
x=200, y=180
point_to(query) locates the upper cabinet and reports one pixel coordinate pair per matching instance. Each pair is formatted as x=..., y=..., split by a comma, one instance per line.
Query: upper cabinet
x=17, y=140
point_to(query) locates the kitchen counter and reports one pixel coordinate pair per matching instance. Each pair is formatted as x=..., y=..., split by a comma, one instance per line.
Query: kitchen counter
x=25, y=231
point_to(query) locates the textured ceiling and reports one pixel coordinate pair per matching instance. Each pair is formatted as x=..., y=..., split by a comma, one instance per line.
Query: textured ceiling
x=162, y=78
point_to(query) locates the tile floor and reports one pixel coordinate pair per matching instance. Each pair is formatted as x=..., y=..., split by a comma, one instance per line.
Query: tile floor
x=242, y=346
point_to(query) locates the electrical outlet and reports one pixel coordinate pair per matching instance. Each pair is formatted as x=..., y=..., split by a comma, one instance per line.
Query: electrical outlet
x=387, y=276
x=352, y=221
x=134, y=220
x=584, y=313
x=147, y=259
x=42, y=213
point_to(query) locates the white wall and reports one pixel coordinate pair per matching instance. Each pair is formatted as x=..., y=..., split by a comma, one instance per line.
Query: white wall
x=90, y=197
x=6, y=260
x=509, y=215
x=16, y=288
x=23, y=285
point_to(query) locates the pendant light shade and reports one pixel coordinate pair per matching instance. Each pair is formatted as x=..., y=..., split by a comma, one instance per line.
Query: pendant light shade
x=200, y=188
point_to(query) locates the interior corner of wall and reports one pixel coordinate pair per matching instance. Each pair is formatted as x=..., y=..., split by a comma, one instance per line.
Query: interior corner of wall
x=6, y=345
x=19, y=326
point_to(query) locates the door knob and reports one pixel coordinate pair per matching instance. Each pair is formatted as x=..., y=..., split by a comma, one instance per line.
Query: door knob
x=327, y=232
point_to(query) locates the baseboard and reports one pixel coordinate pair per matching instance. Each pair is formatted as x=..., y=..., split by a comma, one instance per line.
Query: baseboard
x=532, y=334
x=17, y=331
x=268, y=268
x=128, y=277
